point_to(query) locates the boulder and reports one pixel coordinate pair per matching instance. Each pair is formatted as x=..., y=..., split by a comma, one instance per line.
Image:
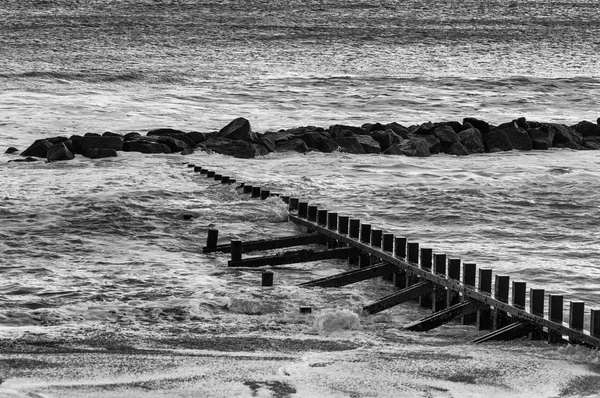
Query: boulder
x=482, y=126
x=75, y=140
x=145, y=146
x=175, y=145
x=394, y=149
x=94, y=142
x=238, y=129
x=38, y=148
x=279, y=136
x=350, y=145
x=570, y=145
x=111, y=134
x=132, y=136
x=592, y=142
x=165, y=132
x=541, y=138
x=506, y=137
x=370, y=127
x=99, y=153
x=423, y=129
x=336, y=130
x=433, y=142
x=522, y=122
x=415, y=146
x=398, y=129
x=293, y=145
x=268, y=143
x=587, y=129
x=313, y=139
x=386, y=138
x=92, y=135
x=27, y=159
x=564, y=134
x=328, y=146
x=447, y=137
x=67, y=141
x=458, y=149
x=455, y=126
x=11, y=149
x=472, y=140
x=59, y=152
x=235, y=148
x=196, y=137
x=369, y=144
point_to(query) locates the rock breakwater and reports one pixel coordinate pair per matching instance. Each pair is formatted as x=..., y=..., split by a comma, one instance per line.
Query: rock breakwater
x=237, y=139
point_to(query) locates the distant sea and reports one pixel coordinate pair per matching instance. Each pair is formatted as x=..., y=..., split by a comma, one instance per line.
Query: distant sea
x=103, y=242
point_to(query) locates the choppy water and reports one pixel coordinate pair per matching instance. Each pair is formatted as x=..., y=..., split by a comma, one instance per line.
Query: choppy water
x=104, y=241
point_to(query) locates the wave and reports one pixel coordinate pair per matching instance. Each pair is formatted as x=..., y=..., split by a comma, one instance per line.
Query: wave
x=66, y=77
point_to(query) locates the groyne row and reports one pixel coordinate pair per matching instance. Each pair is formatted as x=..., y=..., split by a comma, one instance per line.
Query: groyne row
x=239, y=140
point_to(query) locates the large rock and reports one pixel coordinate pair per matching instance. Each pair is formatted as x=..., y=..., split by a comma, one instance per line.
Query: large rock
x=175, y=145
x=38, y=149
x=369, y=144
x=398, y=129
x=313, y=139
x=145, y=146
x=447, y=137
x=111, y=134
x=336, y=130
x=238, y=129
x=394, y=149
x=454, y=125
x=100, y=153
x=268, y=143
x=235, y=148
x=132, y=136
x=196, y=137
x=386, y=138
x=587, y=129
x=564, y=134
x=11, y=149
x=350, y=145
x=506, y=137
x=457, y=149
x=59, y=152
x=371, y=127
x=165, y=132
x=293, y=145
x=415, y=146
x=481, y=125
x=541, y=138
x=423, y=129
x=592, y=142
x=279, y=136
x=328, y=146
x=472, y=140
x=434, y=143
x=90, y=142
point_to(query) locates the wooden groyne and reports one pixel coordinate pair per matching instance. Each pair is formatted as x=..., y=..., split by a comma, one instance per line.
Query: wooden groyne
x=452, y=289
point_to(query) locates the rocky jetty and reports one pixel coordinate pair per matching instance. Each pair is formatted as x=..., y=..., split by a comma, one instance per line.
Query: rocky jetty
x=237, y=139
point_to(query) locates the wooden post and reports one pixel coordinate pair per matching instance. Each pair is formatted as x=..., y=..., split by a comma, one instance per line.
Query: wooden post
x=286, y=199
x=312, y=213
x=484, y=316
x=197, y=169
x=247, y=188
x=413, y=257
x=264, y=194
x=225, y=180
x=364, y=259
x=376, y=235
x=400, y=252
x=267, y=278
x=210, y=174
x=236, y=250
x=322, y=217
x=501, y=288
x=355, y=234
x=576, y=316
x=555, y=312
x=519, y=293
x=536, y=307
x=453, y=273
x=595, y=323
x=332, y=225
x=293, y=204
x=203, y=171
x=255, y=192
x=217, y=177
x=388, y=246
x=469, y=276
x=191, y=165
x=439, y=295
x=303, y=209
x=212, y=238
x=343, y=222
x=426, y=264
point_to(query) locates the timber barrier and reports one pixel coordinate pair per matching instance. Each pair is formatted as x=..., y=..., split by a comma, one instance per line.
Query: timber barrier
x=453, y=290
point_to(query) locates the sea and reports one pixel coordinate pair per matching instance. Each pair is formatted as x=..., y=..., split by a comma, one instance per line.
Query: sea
x=104, y=243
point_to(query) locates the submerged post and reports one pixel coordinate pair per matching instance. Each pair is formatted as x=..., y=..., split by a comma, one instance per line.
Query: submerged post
x=236, y=250
x=267, y=278
x=212, y=238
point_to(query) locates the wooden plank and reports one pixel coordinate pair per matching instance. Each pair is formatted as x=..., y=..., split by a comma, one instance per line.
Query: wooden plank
x=300, y=256
x=439, y=318
x=353, y=276
x=400, y=297
x=270, y=244
x=508, y=332
x=466, y=291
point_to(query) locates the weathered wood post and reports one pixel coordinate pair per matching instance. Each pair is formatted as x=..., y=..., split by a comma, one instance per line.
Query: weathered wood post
x=536, y=307
x=267, y=278
x=293, y=205
x=484, y=316
x=236, y=250
x=412, y=257
x=247, y=188
x=203, y=170
x=595, y=323
x=400, y=252
x=453, y=297
x=303, y=209
x=217, y=177
x=332, y=225
x=576, y=317
x=197, y=169
x=255, y=192
x=264, y=194
x=364, y=260
x=426, y=265
x=439, y=295
x=322, y=217
x=225, y=180
x=469, y=276
x=354, y=234
x=312, y=213
x=501, y=290
x=388, y=246
x=555, y=312
x=210, y=174
x=519, y=293
x=212, y=238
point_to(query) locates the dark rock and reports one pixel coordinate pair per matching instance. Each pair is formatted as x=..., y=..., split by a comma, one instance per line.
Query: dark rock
x=268, y=143
x=90, y=142
x=293, y=145
x=394, y=149
x=279, y=136
x=350, y=145
x=425, y=128
x=75, y=141
x=132, y=136
x=369, y=144
x=67, y=141
x=592, y=142
x=111, y=134
x=587, y=129
x=11, y=149
x=506, y=137
x=433, y=142
x=458, y=149
x=165, y=132
x=415, y=146
x=482, y=126
x=99, y=153
x=541, y=138
x=27, y=159
x=386, y=138
x=570, y=145
x=328, y=146
x=59, y=152
x=313, y=139
x=92, y=135
x=235, y=148
x=145, y=146
x=370, y=127
x=455, y=126
x=472, y=140
x=37, y=149
x=336, y=130
x=522, y=122
x=238, y=129
x=564, y=134
x=447, y=137
x=196, y=137
x=398, y=129
x=175, y=145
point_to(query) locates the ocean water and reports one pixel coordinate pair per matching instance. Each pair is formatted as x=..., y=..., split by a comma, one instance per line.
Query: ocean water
x=102, y=243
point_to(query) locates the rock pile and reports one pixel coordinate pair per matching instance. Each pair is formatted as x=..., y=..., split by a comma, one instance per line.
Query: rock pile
x=237, y=139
